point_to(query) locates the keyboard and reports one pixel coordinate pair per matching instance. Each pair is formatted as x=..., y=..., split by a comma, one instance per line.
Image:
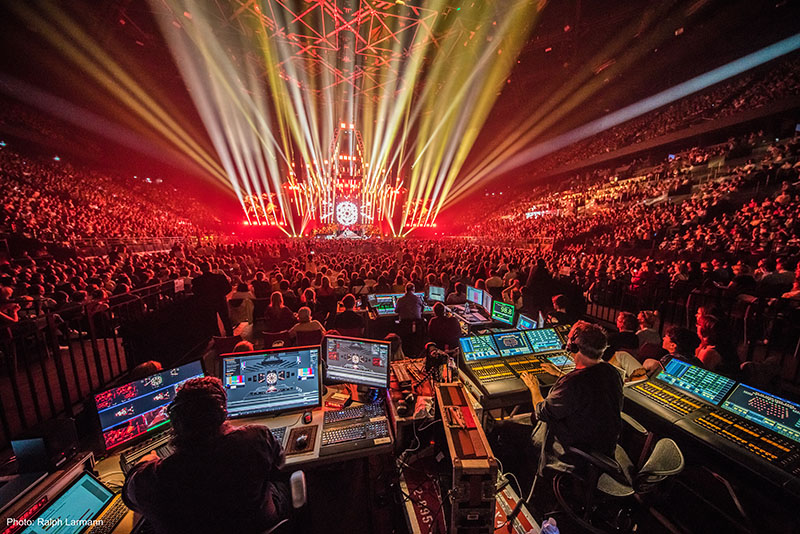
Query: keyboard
x=357, y=412
x=352, y=437
x=279, y=433
x=108, y=520
x=160, y=444
x=668, y=397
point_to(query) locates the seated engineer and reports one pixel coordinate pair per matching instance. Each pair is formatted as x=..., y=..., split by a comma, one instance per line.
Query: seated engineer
x=219, y=479
x=444, y=330
x=348, y=319
x=409, y=307
x=583, y=408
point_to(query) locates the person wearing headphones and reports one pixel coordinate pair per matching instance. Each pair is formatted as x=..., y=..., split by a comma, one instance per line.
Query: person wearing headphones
x=583, y=408
x=219, y=479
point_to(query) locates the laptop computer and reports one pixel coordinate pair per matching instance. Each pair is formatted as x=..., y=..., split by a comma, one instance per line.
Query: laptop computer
x=85, y=506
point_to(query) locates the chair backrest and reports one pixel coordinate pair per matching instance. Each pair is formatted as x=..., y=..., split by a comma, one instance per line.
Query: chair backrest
x=351, y=332
x=271, y=337
x=225, y=344
x=665, y=461
x=310, y=337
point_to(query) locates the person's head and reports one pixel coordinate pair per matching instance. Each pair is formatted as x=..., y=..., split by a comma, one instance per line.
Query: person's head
x=242, y=288
x=144, y=369
x=438, y=309
x=205, y=267
x=304, y=314
x=260, y=276
x=647, y=319
x=395, y=340
x=198, y=411
x=461, y=288
x=349, y=302
x=560, y=303
x=587, y=339
x=709, y=329
x=680, y=341
x=410, y=287
x=626, y=322
x=243, y=346
x=276, y=299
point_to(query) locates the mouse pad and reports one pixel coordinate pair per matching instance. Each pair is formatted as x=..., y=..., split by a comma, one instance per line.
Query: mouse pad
x=291, y=443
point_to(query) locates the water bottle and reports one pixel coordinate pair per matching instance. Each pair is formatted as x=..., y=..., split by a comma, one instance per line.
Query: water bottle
x=549, y=527
x=466, y=308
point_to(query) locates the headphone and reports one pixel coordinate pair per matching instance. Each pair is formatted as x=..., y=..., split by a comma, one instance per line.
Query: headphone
x=406, y=404
x=571, y=347
x=214, y=400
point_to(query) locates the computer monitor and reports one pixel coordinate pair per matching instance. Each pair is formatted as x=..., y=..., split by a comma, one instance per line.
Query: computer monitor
x=425, y=306
x=503, y=312
x=357, y=361
x=696, y=380
x=435, y=294
x=138, y=408
x=268, y=382
x=525, y=323
x=512, y=344
x=767, y=410
x=475, y=296
x=384, y=304
x=478, y=348
x=81, y=501
x=543, y=340
x=487, y=301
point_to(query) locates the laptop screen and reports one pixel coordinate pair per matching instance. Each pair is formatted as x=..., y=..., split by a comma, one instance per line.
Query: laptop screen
x=139, y=407
x=82, y=501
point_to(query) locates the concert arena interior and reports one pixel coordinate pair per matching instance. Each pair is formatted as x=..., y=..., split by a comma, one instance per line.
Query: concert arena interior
x=399, y=266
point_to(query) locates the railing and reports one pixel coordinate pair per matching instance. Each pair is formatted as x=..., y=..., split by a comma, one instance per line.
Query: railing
x=51, y=362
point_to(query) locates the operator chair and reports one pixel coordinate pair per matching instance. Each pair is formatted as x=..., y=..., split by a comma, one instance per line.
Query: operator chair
x=297, y=485
x=612, y=485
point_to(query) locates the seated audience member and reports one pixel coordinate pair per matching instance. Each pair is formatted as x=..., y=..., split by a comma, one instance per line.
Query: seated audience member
x=715, y=351
x=349, y=319
x=559, y=314
x=278, y=317
x=243, y=346
x=680, y=343
x=219, y=479
x=396, y=348
x=647, y=332
x=626, y=338
x=794, y=293
x=459, y=296
x=261, y=286
x=145, y=369
x=305, y=323
x=240, y=305
x=443, y=329
x=583, y=408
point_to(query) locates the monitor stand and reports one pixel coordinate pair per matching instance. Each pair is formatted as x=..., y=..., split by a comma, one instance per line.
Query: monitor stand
x=361, y=394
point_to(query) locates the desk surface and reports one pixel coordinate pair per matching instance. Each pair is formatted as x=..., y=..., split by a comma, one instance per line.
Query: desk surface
x=109, y=465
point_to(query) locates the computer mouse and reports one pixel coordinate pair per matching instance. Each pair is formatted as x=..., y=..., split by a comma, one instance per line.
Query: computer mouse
x=306, y=418
x=301, y=442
